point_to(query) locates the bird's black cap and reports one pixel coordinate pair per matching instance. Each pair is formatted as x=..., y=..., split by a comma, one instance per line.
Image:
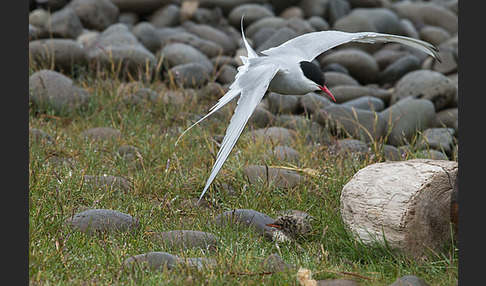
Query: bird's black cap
x=312, y=72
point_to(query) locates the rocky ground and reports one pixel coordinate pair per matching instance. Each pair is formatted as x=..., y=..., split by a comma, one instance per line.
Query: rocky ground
x=385, y=93
x=198, y=43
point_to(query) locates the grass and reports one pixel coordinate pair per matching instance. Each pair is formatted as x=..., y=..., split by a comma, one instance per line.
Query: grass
x=166, y=176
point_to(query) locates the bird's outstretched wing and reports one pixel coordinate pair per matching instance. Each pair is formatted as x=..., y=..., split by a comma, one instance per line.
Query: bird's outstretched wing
x=252, y=84
x=310, y=45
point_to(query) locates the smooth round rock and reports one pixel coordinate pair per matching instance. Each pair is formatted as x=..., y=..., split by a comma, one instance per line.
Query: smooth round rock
x=427, y=12
x=278, y=177
x=153, y=260
x=334, y=78
x=361, y=65
x=52, y=90
x=146, y=34
x=282, y=103
x=65, y=54
x=361, y=124
x=366, y=102
x=425, y=84
x=207, y=47
x=211, y=33
x=407, y=117
x=395, y=71
x=64, y=23
x=261, y=117
x=188, y=239
x=284, y=153
x=252, y=12
x=411, y=280
x=249, y=218
x=273, y=134
x=441, y=139
x=312, y=102
x=165, y=16
x=344, y=93
x=190, y=75
x=95, y=14
x=178, y=53
x=116, y=44
x=103, y=220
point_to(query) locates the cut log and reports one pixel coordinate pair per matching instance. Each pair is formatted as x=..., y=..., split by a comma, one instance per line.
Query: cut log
x=405, y=203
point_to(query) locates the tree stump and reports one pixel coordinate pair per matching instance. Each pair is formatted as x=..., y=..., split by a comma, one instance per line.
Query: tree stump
x=405, y=203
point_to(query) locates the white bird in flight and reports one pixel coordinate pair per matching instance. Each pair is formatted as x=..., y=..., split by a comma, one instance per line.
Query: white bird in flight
x=286, y=69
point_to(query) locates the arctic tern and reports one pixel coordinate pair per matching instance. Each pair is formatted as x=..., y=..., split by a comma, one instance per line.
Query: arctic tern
x=286, y=69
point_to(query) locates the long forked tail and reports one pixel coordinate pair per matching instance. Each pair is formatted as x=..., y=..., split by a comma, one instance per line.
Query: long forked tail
x=249, y=49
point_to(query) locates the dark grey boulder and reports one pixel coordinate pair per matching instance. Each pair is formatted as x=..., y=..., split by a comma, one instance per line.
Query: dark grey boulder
x=178, y=54
x=226, y=74
x=252, y=12
x=267, y=22
x=361, y=65
x=103, y=220
x=434, y=35
x=380, y=20
x=261, y=117
x=275, y=263
x=153, y=260
x=95, y=14
x=283, y=103
x=139, y=6
x=190, y=75
x=425, y=84
x=407, y=117
x=312, y=102
x=410, y=280
x=393, y=72
x=146, y=34
x=246, y=217
x=350, y=148
x=117, y=45
x=188, y=239
x=207, y=47
x=65, y=54
x=361, y=124
x=284, y=153
x=335, y=78
x=366, y=102
x=441, y=139
x=278, y=177
x=50, y=90
x=158, y=260
x=64, y=23
x=449, y=117
x=428, y=13
x=165, y=16
x=280, y=36
x=213, y=34
x=273, y=134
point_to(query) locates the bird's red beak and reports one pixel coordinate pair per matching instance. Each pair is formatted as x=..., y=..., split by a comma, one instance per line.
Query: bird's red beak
x=326, y=90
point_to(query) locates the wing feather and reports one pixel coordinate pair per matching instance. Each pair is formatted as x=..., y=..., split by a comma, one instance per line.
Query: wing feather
x=310, y=45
